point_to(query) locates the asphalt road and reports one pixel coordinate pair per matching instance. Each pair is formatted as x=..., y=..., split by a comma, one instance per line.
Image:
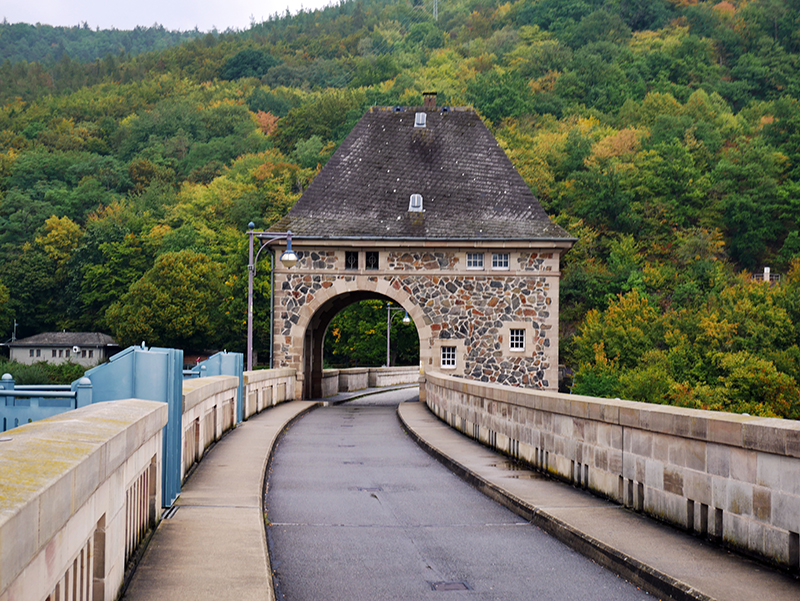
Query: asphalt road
x=358, y=512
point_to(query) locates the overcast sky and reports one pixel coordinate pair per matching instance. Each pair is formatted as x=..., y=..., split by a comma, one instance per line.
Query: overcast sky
x=172, y=14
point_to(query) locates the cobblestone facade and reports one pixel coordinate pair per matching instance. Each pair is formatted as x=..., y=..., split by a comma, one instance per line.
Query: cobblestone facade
x=471, y=313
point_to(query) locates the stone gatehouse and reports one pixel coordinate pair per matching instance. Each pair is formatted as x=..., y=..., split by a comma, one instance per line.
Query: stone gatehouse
x=420, y=206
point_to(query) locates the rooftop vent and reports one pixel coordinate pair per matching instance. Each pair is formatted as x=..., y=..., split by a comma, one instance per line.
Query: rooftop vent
x=415, y=203
x=397, y=109
x=420, y=119
x=429, y=101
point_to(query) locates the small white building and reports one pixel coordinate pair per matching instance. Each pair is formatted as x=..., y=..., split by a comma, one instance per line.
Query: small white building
x=82, y=348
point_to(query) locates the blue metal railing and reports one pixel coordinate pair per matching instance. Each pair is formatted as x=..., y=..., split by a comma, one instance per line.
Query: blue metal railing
x=222, y=364
x=28, y=403
x=153, y=374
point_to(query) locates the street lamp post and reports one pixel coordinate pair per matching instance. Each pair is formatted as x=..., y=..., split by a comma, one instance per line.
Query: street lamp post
x=406, y=321
x=288, y=258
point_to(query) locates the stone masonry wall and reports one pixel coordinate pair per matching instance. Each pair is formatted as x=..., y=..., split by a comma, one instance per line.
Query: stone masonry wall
x=473, y=310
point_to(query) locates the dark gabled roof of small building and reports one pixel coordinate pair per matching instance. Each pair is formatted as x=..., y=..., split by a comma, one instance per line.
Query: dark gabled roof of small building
x=67, y=339
x=470, y=189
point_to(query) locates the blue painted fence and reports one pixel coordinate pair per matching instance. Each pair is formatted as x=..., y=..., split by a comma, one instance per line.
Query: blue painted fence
x=152, y=374
x=223, y=364
x=22, y=404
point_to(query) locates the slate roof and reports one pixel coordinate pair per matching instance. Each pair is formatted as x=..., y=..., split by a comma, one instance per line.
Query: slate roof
x=470, y=189
x=67, y=339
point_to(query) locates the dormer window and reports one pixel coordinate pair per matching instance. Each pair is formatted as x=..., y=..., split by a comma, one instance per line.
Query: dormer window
x=415, y=203
x=420, y=119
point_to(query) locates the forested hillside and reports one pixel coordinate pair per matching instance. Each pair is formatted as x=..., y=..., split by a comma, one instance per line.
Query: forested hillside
x=664, y=134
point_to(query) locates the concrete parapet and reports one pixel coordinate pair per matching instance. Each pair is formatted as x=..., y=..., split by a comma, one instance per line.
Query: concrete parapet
x=727, y=477
x=392, y=376
x=265, y=388
x=330, y=382
x=209, y=410
x=77, y=493
x=353, y=378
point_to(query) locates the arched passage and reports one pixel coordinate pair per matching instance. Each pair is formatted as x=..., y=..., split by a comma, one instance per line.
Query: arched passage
x=317, y=326
x=488, y=323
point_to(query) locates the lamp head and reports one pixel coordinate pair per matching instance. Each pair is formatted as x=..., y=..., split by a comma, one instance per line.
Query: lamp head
x=406, y=319
x=289, y=258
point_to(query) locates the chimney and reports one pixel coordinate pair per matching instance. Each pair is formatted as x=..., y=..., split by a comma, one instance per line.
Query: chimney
x=429, y=101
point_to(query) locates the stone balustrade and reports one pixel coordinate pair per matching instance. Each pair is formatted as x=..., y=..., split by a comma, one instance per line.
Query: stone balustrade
x=731, y=478
x=267, y=387
x=78, y=491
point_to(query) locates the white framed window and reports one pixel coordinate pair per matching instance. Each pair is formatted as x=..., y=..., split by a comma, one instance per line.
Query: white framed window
x=91, y=354
x=474, y=260
x=38, y=352
x=516, y=339
x=500, y=261
x=31, y=353
x=448, y=357
x=54, y=352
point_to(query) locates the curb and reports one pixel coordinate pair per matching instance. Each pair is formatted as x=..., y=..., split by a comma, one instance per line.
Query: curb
x=271, y=593
x=634, y=571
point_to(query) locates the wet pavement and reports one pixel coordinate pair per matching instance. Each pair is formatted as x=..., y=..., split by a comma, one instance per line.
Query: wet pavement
x=357, y=511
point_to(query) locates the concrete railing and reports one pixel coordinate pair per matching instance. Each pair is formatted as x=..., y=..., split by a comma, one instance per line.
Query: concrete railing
x=728, y=477
x=330, y=382
x=392, y=376
x=358, y=378
x=267, y=387
x=78, y=491
x=209, y=410
x=353, y=378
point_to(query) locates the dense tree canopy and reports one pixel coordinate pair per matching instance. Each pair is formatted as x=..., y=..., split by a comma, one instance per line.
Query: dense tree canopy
x=664, y=135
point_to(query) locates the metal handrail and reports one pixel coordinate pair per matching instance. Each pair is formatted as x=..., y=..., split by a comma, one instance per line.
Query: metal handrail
x=43, y=387
x=67, y=394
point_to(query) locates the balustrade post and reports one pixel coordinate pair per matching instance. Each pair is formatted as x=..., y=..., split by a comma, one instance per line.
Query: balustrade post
x=83, y=390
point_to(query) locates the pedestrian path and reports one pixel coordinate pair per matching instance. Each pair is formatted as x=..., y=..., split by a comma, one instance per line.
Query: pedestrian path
x=656, y=557
x=211, y=545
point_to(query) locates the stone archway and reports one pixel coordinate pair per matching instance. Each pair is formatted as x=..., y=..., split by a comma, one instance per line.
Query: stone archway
x=325, y=308
x=468, y=319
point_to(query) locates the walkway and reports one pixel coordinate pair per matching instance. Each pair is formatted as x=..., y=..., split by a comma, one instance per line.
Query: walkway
x=358, y=512
x=214, y=547
x=642, y=549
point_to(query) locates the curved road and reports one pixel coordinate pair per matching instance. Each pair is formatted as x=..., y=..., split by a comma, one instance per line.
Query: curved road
x=358, y=512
